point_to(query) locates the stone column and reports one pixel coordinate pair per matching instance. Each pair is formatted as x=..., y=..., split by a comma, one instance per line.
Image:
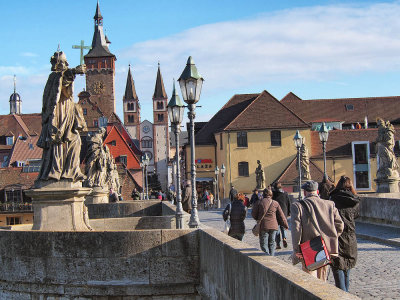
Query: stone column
x=59, y=206
x=389, y=185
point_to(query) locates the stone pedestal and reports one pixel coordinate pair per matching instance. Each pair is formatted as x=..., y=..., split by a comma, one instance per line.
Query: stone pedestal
x=59, y=206
x=390, y=185
x=98, y=195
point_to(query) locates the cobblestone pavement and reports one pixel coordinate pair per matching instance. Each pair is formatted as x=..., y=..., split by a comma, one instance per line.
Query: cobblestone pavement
x=376, y=275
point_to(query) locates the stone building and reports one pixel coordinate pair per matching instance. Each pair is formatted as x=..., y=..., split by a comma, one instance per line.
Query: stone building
x=258, y=126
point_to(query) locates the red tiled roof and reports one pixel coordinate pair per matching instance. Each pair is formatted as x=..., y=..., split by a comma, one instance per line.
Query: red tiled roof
x=339, y=141
x=266, y=112
x=25, y=149
x=328, y=109
x=223, y=117
x=20, y=125
x=290, y=175
x=10, y=176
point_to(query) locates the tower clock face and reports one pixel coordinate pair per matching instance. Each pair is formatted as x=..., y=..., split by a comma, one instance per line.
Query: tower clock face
x=146, y=129
x=98, y=87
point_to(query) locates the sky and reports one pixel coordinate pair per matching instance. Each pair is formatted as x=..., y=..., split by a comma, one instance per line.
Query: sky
x=315, y=49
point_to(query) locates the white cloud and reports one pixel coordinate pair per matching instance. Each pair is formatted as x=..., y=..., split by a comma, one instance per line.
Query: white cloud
x=29, y=54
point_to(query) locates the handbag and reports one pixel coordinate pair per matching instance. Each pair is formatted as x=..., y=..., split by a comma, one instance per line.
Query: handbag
x=227, y=225
x=256, y=228
x=314, y=251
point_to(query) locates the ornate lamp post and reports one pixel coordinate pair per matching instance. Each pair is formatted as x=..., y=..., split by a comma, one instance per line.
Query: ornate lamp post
x=145, y=162
x=298, y=142
x=216, y=171
x=175, y=114
x=143, y=180
x=323, y=137
x=191, y=82
x=223, y=170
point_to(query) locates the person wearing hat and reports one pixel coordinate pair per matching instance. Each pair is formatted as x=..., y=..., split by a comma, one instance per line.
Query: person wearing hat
x=325, y=215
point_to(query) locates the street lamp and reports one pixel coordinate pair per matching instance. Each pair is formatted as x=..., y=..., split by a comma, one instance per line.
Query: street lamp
x=145, y=162
x=191, y=82
x=298, y=142
x=143, y=180
x=216, y=171
x=223, y=184
x=323, y=136
x=175, y=114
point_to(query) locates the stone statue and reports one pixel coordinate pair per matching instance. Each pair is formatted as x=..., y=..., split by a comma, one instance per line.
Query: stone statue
x=260, y=176
x=387, y=163
x=96, y=161
x=112, y=178
x=304, y=162
x=62, y=120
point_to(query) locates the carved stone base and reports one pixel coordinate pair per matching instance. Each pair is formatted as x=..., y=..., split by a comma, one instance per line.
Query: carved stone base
x=58, y=206
x=98, y=195
x=390, y=185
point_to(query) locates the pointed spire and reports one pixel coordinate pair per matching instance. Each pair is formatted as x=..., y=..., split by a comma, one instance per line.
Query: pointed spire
x=15, y=83
x=159, y=91
x=130, y=91
x=99, y=42
x=97, y=16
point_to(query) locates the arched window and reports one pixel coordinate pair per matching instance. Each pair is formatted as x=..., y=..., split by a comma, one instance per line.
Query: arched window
x=147, y=142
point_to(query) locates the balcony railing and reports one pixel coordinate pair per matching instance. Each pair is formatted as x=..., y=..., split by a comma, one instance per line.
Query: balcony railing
x=16, y=207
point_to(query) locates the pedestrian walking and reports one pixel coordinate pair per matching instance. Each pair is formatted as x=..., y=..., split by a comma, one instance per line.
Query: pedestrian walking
x=312, y=218
x=325, y=187
x=236, y=211
x=135, y=194
x=232, y=193
x=348, y=204
x=187, y=198
x=254, y=197
x=280, y=196
x=271, y=216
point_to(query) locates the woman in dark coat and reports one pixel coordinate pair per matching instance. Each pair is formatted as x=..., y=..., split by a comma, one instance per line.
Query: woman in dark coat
x=347, y=203
x=237, y=212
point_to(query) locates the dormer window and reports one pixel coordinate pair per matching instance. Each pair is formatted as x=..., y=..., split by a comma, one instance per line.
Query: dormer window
x=349, y=107
x=10, y=140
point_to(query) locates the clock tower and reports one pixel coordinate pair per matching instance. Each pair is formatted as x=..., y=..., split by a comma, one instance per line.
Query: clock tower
x=100, y=63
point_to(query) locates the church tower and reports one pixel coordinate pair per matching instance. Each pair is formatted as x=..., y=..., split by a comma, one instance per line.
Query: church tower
x=15, y=100
x=160, y=130
x=100, y=63
x=131, y=108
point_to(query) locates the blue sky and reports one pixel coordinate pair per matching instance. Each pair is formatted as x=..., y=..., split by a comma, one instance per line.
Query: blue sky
x=316, y=49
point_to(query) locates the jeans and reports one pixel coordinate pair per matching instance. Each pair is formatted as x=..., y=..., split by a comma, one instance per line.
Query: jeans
x=278, y=235
x=267, y=241
x=342, y=278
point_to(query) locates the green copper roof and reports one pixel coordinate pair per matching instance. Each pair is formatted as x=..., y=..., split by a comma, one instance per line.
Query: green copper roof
x=175, y=99
x=190, y=70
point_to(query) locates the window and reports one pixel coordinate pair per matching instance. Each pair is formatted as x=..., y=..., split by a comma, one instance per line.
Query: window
x=131, y=119
x=147, y=143
x=103, y=121
x=9, y=140
x=113, y=143
x=32, y=166
x=160, y=105
x=276, y=138
x=13, y=220
x=123, y=159
x=131, y=106
x=95, y=123
x=242, y=139
x=13, y=195
x=361, y=165
x=243, y=168
x=160, y=118
x=349, y=107
x=221, y=147
x=85, y=111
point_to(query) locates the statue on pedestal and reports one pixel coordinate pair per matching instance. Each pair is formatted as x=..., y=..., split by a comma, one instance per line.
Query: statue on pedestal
x=96, y=161
x=260, y=176
x=62, y=120
x=304, y=162
x=387, y=163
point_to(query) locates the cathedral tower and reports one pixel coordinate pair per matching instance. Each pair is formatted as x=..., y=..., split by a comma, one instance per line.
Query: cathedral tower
x=100, y=63
x=131, y=108
x=160, y=131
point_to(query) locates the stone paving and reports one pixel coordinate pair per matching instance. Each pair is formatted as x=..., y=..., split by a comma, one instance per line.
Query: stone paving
x=377, y=273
